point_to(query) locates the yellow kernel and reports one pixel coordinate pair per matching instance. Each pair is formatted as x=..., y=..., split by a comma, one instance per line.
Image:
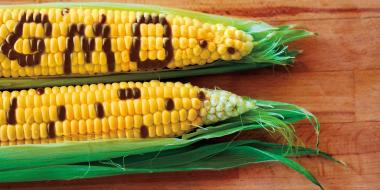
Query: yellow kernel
x=129, y=122
x=137, y=121
x=165, y=117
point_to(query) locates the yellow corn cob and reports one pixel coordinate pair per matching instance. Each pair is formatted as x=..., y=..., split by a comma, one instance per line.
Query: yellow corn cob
x=55, y=41
x=131, y=110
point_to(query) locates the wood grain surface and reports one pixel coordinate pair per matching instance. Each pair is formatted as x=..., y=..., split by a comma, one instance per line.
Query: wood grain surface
x=337, y=78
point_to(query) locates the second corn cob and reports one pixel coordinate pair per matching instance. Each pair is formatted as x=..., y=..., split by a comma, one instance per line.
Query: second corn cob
x=138, y=110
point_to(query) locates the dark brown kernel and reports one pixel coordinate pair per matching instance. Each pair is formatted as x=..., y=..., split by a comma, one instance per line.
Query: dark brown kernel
x=5, y=47
x=231, y=50
x=169, y=104
x=12, y=54
x=148, y=18
x=106, y=44
x=110, y=61
x=67, y=62
x=72, y=30
x=167, y=31
x=65, y=11
x=122, y=94
x=33, y=44
x=18, y=28
x=144, y=131
x=36, y=58
x=61, y=113
x=23, y=18
x=136, y=29
x=97, y=28
x=50, y=130
x=40, y=91
x=129, y=93
x=155, y=19
x=40, y=45
x=81, y=28
x=11, y=116
x=87, y=57
x=103, y=19
x=99, y=110
x=84, y=44
x=140, y=19
x=106, y=31
x=48, y=28
x=45, y=19
x=37, y=18
x=91, y=44
x=163, y=20
x=11, y=38
x=201, y=95
x=136, y=93
x=22, y=60
x=134, y=52
x=203, y=43
x=13, y=104
x=29, y=60
x=70, y=44
x=30, y=18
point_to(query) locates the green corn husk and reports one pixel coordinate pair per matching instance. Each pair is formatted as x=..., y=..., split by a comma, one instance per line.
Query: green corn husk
x=193, y=151
x=270, y=48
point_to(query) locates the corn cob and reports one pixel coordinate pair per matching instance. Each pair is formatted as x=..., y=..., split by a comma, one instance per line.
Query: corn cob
x=62, y=41
x=126, y=109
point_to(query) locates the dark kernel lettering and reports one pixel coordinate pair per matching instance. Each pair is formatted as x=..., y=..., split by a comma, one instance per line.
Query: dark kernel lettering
x=69, y=44
x=136, y=93
x=33, y=44
x=163, y=20
x=45, y=19
x=67, y=62
x=11, y=38
x=103, y=19
x=81, y=28
x=129, y=93
x=148, y=18
x=13, y=54
x=37, y=18
x=99, y=110
x=50, y=130
x=65, y=11
x=13, y=104
x=40, y=91
x=5, y=47
x=144, y=131
x=36, y=58
x=97, y=28
x=203, y=43
x=30, y=18
x=91, y=43
x=167, y=31
x=72, y=30
x=106, y=44
x=22, y=60
x=40, y=46
x=18, y=29
x=106, y=31
x=136, y=29
x=140, y=19
x=231, y=50
x=122, y=94
x=11, y=116
x=48, y=28
x=110, y=61
x=23, y=18
x=29, y=60
x=169, y=104
x=87, y=57
x=201, y=95
x=134, y=53
x=61, y=113
x=155, y=19
x=84, y=44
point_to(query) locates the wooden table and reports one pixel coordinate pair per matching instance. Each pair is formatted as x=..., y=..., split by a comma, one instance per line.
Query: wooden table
x=337, y=78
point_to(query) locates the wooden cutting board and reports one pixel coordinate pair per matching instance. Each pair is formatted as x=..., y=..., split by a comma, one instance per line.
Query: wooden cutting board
x=337, y=78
